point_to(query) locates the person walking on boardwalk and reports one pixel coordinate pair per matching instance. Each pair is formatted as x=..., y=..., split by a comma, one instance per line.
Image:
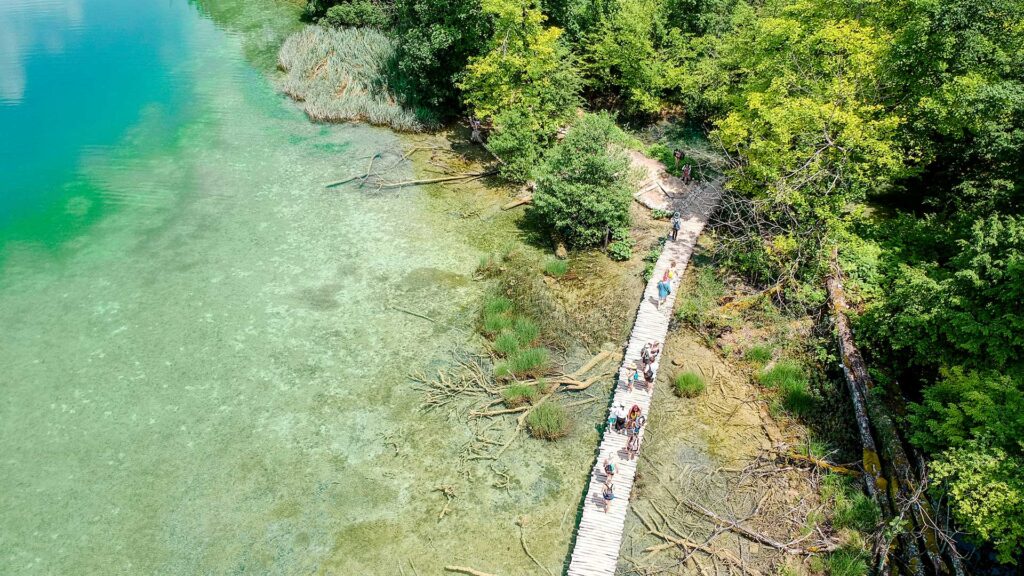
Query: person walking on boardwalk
x=649, y=377
x=610, y=464
x=677, y=223
x=686, y=174
x=634, y=378
x=664, y=289
x=607, y=494
x=619, y=412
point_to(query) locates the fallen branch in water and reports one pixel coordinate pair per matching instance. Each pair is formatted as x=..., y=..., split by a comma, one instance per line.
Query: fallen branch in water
x=465, y=570
x=411, y=313
x=463, y=176
x=690, y=546
x=755, y=536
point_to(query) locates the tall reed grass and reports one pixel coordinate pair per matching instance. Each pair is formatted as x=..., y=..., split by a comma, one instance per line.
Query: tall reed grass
x=341, y=74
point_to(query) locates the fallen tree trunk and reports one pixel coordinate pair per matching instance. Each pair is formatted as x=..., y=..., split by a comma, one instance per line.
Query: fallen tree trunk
x=518, y=202
x=904, y=490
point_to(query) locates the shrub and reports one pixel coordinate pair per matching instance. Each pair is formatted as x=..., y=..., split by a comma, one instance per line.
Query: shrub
x=985, y=486
x=790, y=380
x=556, y=268
x=518, y=142
x=621, y=250
x=519, y=394
x=688, y=385
x=358, y=13
x=506, y=344
x=659, y=214
x=760, y=354
x=525, y=331
x=583, y=189
x=548, y=421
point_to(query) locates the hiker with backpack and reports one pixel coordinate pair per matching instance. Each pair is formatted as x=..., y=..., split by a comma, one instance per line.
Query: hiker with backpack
x=677, y=223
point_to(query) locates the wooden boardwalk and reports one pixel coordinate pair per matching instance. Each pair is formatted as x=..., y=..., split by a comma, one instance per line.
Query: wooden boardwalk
x=599, y=536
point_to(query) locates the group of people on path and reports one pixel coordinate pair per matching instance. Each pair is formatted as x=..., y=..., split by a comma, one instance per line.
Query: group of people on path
x=665, y=284
x=631, y=422
x=685, y=174
x=644, y=367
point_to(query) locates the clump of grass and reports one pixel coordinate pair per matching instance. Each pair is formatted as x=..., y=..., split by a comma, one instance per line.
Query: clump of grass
x=525, y=331
x=494, y=324
x=688, y=385
x=851, y=508
x=506, y=344
x=790, y=379
x=548, y=421
x=526, y=362
x=341, y=75
x=659, y=214
x=519, y=394
x=847, y=562
x=760, y=354
x=497, y=305
x=556, y=268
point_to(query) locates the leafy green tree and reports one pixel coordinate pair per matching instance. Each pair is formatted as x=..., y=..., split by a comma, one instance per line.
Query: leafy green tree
x=436, y=40
x=968, y=310
x=518, y=141
x=583, y=187
x=955, y=70
x=632, y=56
x=526, y=67
x=804, y=127
x=986, y=489
x=576, y=17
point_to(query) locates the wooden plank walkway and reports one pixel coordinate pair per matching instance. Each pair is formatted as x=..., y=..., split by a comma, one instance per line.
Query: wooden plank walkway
x=599, y=536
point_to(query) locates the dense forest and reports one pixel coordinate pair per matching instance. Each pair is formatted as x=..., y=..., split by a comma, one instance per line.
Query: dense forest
x=888, y=132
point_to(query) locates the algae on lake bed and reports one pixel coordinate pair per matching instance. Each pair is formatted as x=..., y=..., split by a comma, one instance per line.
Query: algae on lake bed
x=211, y=376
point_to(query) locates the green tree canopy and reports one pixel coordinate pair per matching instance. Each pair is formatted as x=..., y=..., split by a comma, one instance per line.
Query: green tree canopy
x=583, y=187
x=525, y=67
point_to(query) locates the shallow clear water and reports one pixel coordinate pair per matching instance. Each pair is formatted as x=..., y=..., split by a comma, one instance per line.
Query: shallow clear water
x=202, y=371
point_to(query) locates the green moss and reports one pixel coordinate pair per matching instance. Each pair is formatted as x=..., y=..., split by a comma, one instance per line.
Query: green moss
x=548, y=421
x=688, y=385
x=519, y=394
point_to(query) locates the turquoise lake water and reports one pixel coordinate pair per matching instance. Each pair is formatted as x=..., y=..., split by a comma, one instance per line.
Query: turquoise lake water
x=203, y=368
